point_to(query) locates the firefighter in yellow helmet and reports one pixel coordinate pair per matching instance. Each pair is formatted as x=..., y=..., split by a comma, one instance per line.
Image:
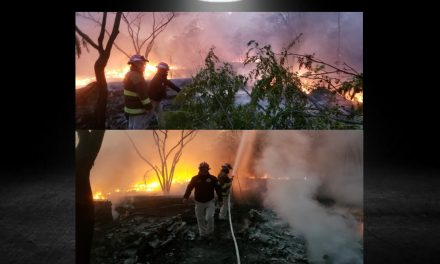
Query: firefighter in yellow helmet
x=225, y=184
x=138, y=106
x=204, y=184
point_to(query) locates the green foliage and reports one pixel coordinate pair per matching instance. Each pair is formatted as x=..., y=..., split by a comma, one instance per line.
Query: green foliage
x=276, y=98
x=278, y=86
x=209, y=101
x=352, y=86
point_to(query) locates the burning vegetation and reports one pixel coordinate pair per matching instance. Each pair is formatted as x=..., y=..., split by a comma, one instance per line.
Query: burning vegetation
x=273, y=82
x=296, y=197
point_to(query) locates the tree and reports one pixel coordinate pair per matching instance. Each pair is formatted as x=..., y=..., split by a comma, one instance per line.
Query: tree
x=98, y=121
x=169, y=155
x=90, y=141
x=209, y=101
x=134, y=22
x=87, y=149
x=278, y=99
x=288, y=105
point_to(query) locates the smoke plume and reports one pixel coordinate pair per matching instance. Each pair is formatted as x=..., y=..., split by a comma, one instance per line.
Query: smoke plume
x=188, y=38
x=306, y=164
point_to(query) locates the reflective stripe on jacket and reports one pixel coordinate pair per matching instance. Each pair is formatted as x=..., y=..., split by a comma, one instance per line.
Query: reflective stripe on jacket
x=135, y=94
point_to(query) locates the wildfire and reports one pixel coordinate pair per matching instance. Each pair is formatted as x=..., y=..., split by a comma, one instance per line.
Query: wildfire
x=359, y=97
x=119, y=74
x=142, y=187
x=182, y=176
x=307, y=86
x=99, y=196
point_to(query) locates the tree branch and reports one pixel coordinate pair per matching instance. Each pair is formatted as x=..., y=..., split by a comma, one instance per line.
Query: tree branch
x=258, y=105
x=224, y=111
x=130, y=32
x=101, y=34
x=91, y=18
x=86, y=38
x=138, y=152
x=115, y=32
x=351, y=68
x=322, y=62
x=156, y=31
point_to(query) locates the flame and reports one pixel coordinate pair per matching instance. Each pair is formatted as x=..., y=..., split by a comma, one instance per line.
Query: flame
x=182, y=175
x=119, y=74
x=99, y=196
x=359, y=97
x=81, y=82
x=307, y=86
x=142, y=187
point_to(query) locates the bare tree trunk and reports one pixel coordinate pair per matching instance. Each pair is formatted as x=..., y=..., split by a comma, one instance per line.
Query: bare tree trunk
x=90, y=143
x=101, y=107
x=100, y=64
x=88, y=147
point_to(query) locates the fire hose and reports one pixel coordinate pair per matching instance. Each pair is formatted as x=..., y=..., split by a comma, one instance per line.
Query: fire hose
x=237, y=252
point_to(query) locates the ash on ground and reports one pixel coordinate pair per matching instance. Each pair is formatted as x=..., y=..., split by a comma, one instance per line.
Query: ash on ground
x=163, y=230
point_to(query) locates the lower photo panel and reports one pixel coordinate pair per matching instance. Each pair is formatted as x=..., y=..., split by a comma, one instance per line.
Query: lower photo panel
x=219, y=196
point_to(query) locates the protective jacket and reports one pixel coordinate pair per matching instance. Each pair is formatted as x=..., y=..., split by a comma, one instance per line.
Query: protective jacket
x=204, y=186
x=225, y=182
x=135, y=93
x=157, y=87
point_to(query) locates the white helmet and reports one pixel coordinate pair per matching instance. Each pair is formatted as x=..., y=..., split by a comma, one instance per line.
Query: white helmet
x=163, y=66
x=137, y=58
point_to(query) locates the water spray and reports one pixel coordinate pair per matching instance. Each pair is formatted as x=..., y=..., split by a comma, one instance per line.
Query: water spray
x=245, y=137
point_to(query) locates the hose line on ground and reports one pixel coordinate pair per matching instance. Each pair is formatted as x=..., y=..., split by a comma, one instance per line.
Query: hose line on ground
x=237, y=252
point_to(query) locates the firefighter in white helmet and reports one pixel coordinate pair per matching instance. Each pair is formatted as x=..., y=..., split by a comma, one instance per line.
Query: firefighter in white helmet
x=225, y=184
x=204, y=184
x=157, y=87
x=138, y=106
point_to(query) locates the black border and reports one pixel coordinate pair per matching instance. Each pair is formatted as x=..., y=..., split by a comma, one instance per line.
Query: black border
x=398, y=127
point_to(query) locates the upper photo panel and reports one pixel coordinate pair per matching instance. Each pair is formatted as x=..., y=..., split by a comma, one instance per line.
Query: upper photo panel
x=219, y=70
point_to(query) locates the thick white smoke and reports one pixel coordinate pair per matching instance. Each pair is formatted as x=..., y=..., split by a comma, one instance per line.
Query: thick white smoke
x=304, y=164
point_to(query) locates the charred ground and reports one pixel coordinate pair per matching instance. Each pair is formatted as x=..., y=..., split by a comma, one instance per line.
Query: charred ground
x=160, y=229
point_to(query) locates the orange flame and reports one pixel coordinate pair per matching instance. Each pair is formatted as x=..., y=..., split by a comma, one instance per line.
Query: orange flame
x=119, y=74
x=182, y=175
x=359, y=97
x=99, y=196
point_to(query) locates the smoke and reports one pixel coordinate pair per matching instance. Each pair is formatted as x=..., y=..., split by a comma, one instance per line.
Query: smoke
x=118, y=166
x=306, y=164
x=188, y=38
x=315, y=179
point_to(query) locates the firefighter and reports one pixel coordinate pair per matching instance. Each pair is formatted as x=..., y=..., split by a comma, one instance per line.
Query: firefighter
x=157, y=87
x=225, y=183
x=138, y=106
x=204, y=185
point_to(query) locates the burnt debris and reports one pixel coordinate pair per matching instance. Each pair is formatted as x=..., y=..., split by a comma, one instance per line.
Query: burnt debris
x=163, y=230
